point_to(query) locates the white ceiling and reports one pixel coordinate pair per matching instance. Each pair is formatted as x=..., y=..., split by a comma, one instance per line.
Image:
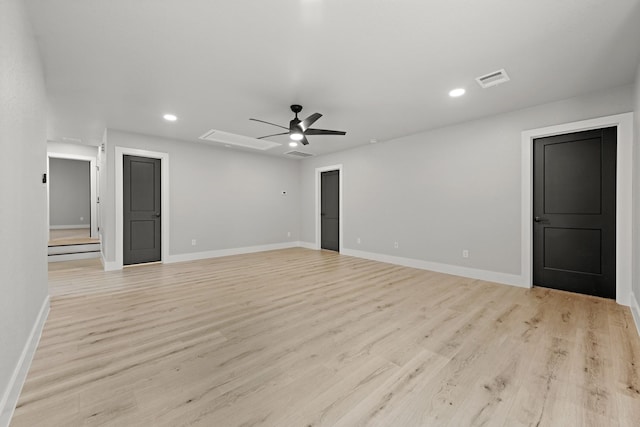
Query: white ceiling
x=374, y=68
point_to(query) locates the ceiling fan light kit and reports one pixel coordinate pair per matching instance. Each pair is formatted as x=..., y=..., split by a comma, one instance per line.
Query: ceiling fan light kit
x=299, y=129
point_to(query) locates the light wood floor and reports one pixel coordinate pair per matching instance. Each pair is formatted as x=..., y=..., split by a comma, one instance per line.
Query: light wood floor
x=306, y=338
x=71, y=236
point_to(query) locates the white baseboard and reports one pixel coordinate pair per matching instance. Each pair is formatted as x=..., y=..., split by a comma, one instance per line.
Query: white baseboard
x=108, y=265
x=194, y=256
x=12, y=392
x=227, y=252
x=635, y=311
x=307, y=245
x=473, y=273
x=68, y=227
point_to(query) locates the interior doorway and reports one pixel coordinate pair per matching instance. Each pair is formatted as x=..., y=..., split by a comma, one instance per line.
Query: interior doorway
x=574, y=208
x=142, y=210
x=624, y=196
x=330, y=210
x=71, y=197
x=120, y=153
x=333, y=220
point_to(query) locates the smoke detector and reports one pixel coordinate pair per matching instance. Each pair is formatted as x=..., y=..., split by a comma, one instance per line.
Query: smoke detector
x=493, y=79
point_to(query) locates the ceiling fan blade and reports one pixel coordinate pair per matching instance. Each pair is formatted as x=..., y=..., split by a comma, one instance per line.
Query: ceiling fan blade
x=324, y=132
x=304, y=141
x=269, y=123
x=304, y=125
x=275, y=134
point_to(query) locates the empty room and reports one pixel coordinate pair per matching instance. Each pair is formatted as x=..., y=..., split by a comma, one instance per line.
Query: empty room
x=319, y=213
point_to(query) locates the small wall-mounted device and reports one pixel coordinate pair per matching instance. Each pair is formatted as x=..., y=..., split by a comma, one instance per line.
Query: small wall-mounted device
x=44, y=178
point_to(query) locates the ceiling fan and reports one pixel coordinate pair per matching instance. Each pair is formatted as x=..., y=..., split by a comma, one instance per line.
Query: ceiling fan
x=299, y=129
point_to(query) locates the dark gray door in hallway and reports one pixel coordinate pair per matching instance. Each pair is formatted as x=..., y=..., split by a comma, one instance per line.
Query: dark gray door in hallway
x=330, y=210
x=141, y=205
x=574, y=204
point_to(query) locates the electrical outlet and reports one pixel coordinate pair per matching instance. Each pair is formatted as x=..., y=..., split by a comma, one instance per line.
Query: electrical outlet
x=359, y=241
x=193, y=242
x=395, y=245
x=465, y=253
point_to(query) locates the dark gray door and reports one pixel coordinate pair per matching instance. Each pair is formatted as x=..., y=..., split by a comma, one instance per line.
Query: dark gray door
x=141, y=203
x=574, y=207
x=330, y=210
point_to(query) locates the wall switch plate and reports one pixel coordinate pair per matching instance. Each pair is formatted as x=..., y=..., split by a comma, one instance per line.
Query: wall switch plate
x=359, y=241
x=288, y=234
x=193, y=242
x=465, y=253
x=395, y=245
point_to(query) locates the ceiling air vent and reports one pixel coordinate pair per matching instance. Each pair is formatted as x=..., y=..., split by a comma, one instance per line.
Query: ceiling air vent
x=238, y=140
x=493, y=79
x=298, y=154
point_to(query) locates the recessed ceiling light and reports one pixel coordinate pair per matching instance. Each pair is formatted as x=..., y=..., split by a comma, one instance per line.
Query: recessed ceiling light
x=293, y=144
x=457, y=92
x=170, y=117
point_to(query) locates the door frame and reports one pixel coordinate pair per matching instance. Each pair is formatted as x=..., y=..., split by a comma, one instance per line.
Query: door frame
x=319, y=171
x=93, y=197
x=120, y=152
x=624, y=196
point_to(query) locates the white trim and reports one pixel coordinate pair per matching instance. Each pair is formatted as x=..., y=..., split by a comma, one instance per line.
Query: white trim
x=72, y=257
x=194, y=256
x=164, y=172
x=93, y=197
x=318, y=202
x=308, y=245
x=473, y=273
x=93, y=247
x=12, y=392
x=624, y=196
x=108, y=266
x=68, y=227
x=635, y=311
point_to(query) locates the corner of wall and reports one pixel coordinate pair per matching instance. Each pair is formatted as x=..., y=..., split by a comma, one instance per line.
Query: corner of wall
x=9, y=398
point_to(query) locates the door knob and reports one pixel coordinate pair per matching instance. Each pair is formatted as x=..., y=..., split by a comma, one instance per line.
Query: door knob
x=539, y=219
x=157, y=214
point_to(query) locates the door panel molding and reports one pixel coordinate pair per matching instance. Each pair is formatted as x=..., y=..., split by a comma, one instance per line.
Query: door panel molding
x=319, y=171
x=120, y=152
x=624, y=196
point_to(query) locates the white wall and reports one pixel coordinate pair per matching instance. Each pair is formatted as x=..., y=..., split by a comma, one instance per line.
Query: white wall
x=442, y=191
x=69, y=192
x=72, y=149
x=223, y=198
x=635, y=304
x=23, y=223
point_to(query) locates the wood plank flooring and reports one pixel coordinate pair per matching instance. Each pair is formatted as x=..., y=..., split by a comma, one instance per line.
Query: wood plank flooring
x=313, y=338
x=72, y=236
